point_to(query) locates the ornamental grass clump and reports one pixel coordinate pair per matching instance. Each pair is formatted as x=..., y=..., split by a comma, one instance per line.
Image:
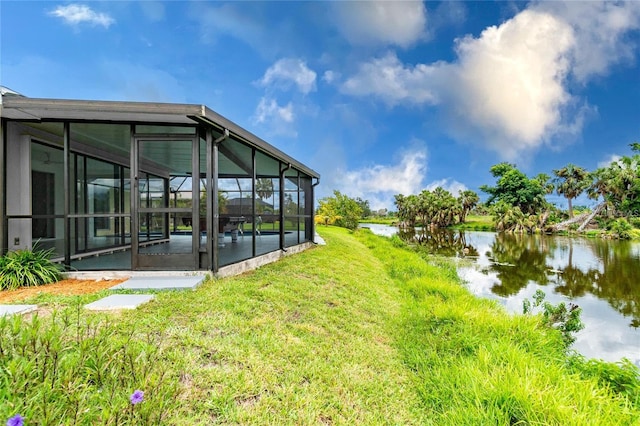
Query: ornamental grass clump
x=27, y=268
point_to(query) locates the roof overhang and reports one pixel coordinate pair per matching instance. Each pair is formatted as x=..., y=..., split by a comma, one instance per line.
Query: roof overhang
x=34, y=109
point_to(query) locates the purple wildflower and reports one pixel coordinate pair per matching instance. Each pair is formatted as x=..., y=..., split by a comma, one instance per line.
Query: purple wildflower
x=16, y=420
x=136, y=397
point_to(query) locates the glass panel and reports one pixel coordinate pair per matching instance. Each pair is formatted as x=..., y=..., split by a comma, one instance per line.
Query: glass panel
x=165, y=130
x=52, y=133
x=203, y=192
x=47, y=180
x=98, y=233
x=47, y=200
x=152, y=226
x=152, y=191
x=268, y=237
x=267, y=203
x=119, y=258
x=180, y=196
x=306, y=203
x=203, y=157
x=79, y=193
x=266, y=166
x=234, y=159
x=168, y=157
x=237, y=196
x=103, y=187
x=291, y=236
x=291, y=203
x=235, y=240
x=169, y=187
x=108, y=141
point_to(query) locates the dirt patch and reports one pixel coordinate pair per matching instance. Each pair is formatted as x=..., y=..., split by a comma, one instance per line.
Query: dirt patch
x=69, y=287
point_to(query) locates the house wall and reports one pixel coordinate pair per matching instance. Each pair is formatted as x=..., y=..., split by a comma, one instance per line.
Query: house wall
x=20, y=164
x=18, y=194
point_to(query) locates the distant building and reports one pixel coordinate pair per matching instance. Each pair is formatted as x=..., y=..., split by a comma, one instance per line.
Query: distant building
x=116, y=185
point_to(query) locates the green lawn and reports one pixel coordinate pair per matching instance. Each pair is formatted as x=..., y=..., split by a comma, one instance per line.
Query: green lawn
x=360, y=331
x=477, y=223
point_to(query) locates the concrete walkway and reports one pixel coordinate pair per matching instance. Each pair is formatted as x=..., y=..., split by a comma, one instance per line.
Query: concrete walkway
x=16, y=309
x=153, y=282
x=143, y=283
x=119, y=301
x=161, y=283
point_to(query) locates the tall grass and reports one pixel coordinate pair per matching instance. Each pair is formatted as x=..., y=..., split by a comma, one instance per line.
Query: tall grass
x=360, y=331
x=476, y=364
x=73, y=368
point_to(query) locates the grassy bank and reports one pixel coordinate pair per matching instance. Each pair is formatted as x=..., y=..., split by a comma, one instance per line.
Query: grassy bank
x=380, y=220
x=476, y=223
x=360, y=331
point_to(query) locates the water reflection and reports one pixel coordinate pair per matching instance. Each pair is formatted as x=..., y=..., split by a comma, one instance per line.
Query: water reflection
x=602, y=276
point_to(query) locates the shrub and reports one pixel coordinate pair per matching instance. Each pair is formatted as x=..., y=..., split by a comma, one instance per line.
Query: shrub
x=567, y=321
x=27, y=268
x=621, y=229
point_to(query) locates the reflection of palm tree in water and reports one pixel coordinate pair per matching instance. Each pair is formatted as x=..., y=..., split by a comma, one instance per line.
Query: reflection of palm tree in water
x=518, y=260
x=442, y=242
x=619, y=282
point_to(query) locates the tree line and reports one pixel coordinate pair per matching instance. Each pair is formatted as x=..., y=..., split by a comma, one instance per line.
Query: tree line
x=516, y=202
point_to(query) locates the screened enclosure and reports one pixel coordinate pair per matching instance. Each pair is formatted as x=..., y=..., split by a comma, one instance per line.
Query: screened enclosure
x=135, y=186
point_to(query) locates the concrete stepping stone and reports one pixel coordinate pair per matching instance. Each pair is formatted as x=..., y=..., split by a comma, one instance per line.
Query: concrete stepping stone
x=16, y=309
x=119, y=301
x=161, y=283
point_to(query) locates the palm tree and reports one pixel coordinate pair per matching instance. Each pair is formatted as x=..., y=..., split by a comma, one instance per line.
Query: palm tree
x=571, y=181
x=264, y=188
x=545, y=182
x=468, y=200
x=407, y=208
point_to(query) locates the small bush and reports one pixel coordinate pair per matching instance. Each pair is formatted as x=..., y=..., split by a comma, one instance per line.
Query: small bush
x=621, y=229
x=567, y=321
x=27, y=268
x=397, y=241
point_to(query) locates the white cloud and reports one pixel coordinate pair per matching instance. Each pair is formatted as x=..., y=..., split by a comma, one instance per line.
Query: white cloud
x=599, y=28
x=613, y=158
x=453, y=186
x=330, y=76
x=75, y=14
x=394, y=82
x=379, y=183
x=399, y=23
x=288, y=71
x=269, y=108
x=509, y=88
x=508, y=83
x=278, y=118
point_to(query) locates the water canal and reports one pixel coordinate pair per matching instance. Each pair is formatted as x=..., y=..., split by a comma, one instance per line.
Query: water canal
x=601, y=276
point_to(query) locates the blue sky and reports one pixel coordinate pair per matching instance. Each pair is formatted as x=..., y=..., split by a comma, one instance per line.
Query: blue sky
x=380, y=98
